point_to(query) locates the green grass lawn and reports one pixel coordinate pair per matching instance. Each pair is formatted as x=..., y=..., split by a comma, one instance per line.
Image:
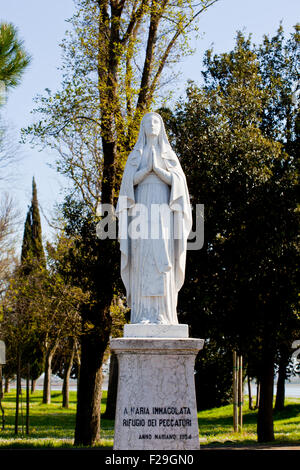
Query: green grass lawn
x=53, y=426
x=215, y=425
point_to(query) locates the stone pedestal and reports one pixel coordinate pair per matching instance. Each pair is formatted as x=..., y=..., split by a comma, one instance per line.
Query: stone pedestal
x=2, y=353
x=139, y=330
x=156, y=404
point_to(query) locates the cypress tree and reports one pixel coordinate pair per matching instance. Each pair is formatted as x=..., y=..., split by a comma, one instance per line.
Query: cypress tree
x=32, y=248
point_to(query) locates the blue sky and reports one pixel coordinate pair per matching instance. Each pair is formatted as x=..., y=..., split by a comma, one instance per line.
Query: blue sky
x=42, y=25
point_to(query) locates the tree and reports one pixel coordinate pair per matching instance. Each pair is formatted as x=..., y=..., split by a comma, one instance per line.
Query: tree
x=8, y=215
x=13, y=62
x=244, y=277
x=18, y=321
x=33, y=260
x=9, y=152
x=67, y=351
x=19, y=326
x=13, y=57
x=119, y=317
x=213, y=378
x=64, y=362
x=284, y=371
x=57, y=305
x=32, y=255
x=108, y=84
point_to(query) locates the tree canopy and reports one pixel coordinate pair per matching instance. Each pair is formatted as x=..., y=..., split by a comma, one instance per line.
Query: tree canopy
x=13, y=57
x=238, y=153
x=32, y=255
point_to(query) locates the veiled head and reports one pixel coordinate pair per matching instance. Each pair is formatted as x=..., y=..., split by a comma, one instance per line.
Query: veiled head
x=152, y=124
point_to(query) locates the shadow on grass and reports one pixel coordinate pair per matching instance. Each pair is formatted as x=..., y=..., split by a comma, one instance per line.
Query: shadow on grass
x=289, y=411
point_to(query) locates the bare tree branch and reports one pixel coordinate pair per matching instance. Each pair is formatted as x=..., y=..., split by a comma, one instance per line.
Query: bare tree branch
x=135, y=18
x=170, y=46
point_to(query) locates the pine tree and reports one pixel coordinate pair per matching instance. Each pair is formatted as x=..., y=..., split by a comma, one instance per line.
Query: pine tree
x=32, y=248
x=13, y=57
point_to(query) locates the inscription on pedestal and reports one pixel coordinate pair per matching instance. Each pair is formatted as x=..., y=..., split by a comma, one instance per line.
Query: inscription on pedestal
x=158, y=422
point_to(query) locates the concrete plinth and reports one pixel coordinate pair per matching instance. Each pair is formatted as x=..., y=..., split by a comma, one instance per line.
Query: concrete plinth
x=2, y=353
x=156, y=404
x=139, y=330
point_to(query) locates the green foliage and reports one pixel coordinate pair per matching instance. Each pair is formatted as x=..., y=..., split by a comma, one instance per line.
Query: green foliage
x=13, y=61
x=40, y=311
x=115, y=58
x=241, y=288
x=33, y=255
x=20, y=323
x=213, y=377
x=13, y=57
x=40, y=308
x=87, y=269
x=244, y=277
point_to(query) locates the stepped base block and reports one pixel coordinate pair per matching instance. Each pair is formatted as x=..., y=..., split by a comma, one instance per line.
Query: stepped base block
x=138, y=330
x=156, y=403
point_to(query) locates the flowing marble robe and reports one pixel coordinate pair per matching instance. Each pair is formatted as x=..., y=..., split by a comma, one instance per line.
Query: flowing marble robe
x=153, y=267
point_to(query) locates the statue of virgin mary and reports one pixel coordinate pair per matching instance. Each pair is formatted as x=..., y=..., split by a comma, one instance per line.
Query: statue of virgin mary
x=155, y=220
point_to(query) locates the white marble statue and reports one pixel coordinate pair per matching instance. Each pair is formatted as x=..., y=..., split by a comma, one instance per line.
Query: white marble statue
x=154, y=208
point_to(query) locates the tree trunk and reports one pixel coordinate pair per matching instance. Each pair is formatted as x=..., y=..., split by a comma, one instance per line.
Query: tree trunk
x=78, y=359
x=265, y=427
x=18, y=389
x=1, y=396
x=87, y=429
x=250, y=393
x=6, y=385
x=94, y=342
x=66, y=382
x=47, y=377
x=240, y=391
x=27, y=398
x=280, y=391
x=257, y=394
x=235, y=393
x=112, y=387
x=33, y=384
